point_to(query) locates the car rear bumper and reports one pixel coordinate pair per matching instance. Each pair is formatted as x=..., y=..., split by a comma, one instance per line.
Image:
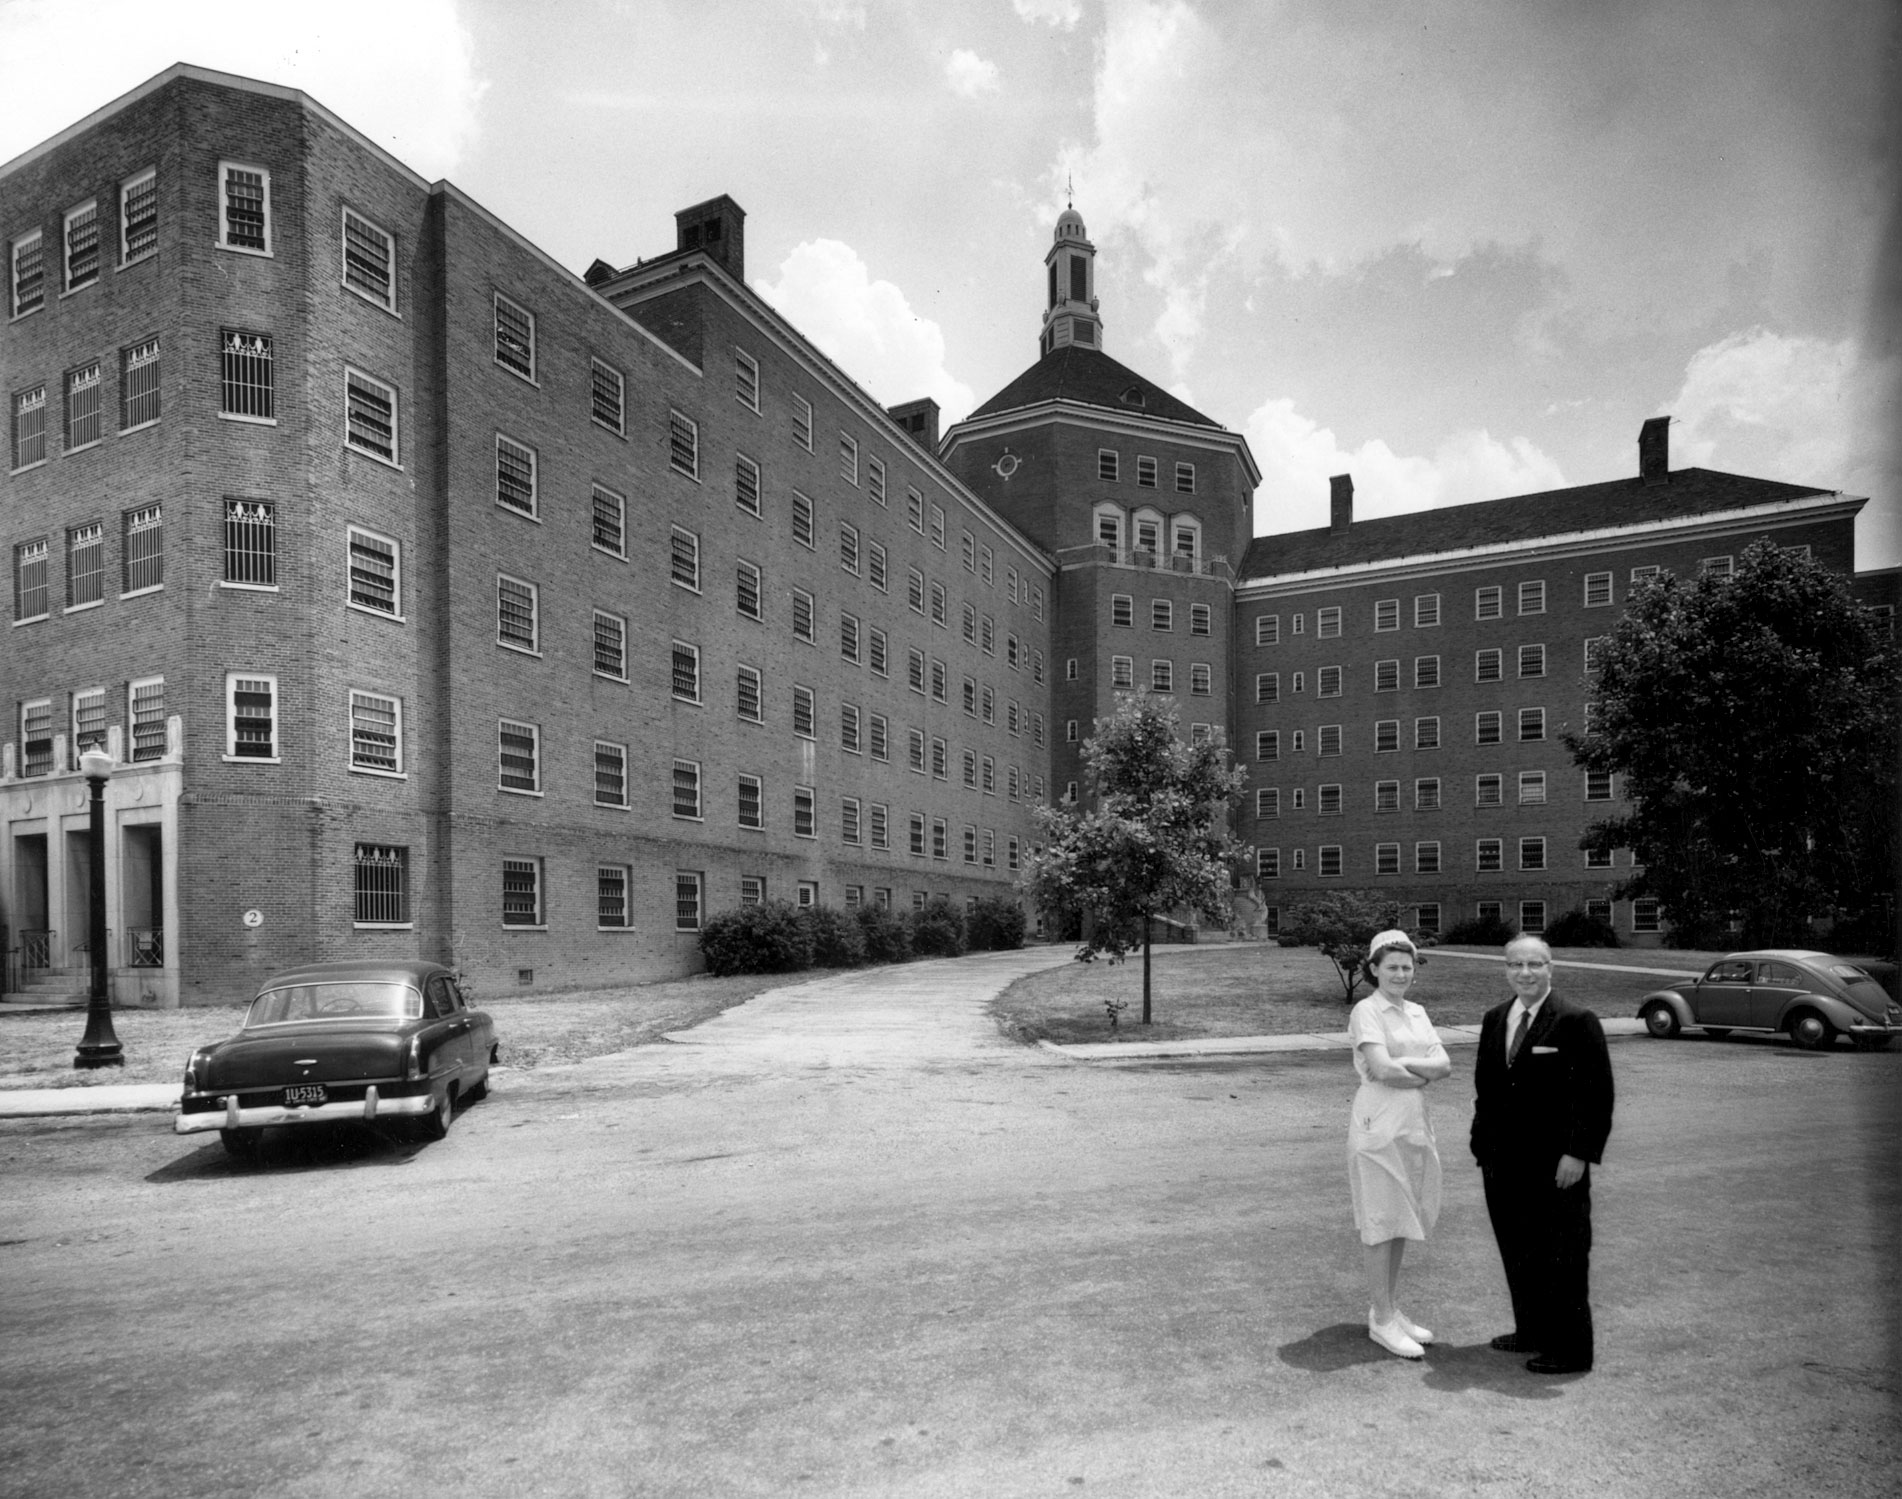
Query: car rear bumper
x=1871, y=1028
x=371, y=1106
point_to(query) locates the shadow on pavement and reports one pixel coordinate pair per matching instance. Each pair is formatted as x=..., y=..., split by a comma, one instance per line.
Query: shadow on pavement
x=1346, y=1345
x=305, y=1147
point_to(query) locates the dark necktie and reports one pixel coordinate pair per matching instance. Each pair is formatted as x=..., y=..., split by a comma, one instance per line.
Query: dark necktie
x=1519, y=1036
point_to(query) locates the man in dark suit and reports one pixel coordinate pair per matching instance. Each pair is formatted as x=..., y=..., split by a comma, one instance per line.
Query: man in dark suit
x=1541, y=1114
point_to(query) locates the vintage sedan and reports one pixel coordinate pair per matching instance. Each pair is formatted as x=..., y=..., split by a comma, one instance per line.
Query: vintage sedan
x=1811, y=995
x=342, y=1041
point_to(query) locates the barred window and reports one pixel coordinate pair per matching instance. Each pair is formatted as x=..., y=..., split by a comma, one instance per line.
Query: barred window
x=1386, y=858
x=89, y=722
x=1645, y=914
x=83, y=420
x=1161, y=614
x=752, y=806
x=518, y=756
x=875, y=565
x=607, y=396
x=1330, y=859
x=687, y=790
x=139, y=385
x=1488, y=790
x=684, y=559
x=747, y=694
x=380, y=885
x=803, y=822
x=802, y=626
x=939, y=845
x=31, y=595
x=85, y=564
x=939, y=681
x=1532, y=913
x=1426, y=860
x=514, y=337
x=1598, y=786
x=36, y=738
x=746, y=484
x=370, y=416
x=1488, y=602
x=1122, y=671
x=987, y=635
x=610, y=646
x=1531, y=787
x=251, y=711
x=849, y=824
x=82, y=245
x=376, y=733
x=746, y=380
x=1327, y=682
x=849, y=637
x=988, y=775
x=875, y=480
x=1531, y=723
x=517, y=613
x=939, y=617
x=1532, y=597
x=848, y=460
x=686, y=672
x=146, y=710
x=1426, y=794
x=915, y=590
x=1327, y=622
x=752, y=889
x=683, y=445
x=1330, y=801
x=1200, y=679
x=1426, y=733
x=1122, y=610
x=251, y=545
x=1329, y=736
x=1268, y=744
x=849, y=728
x=611, y=910
x=1198, y=617
x=521, y=892
x=1106, y=464
x=1426, y=671
x=1386, y=735
x=915, y=750
x=876, y=652
x=1486, y=728
x=1489, y=855
x=1532, y=853
x=27, y=271
x=369, y=261
x=246, y=375
x=687, y=892
x=878, y=736
x=375, y=573
x=1387, y=675
x=610, y=774
x=1386, y=614
x=1531, y=660
x=802, y=422
x=1185, y=478
x=1597, y=590
x=746, y=596
x=937, y=529
x=608, y=531
x=849, y=548
x=802, y=520
x=29, y=427
x=878, y=817
x=1268, y=687
x=1267, y=629
x=515, y=475
x=1162, y=676
x=1488, y=665
x=1267, y=802
x=804, y=723
x=1426, y=610
x=246, y=223
x=915, y=671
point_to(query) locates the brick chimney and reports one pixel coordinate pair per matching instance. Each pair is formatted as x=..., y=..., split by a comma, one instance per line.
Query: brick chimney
x=920, y=421
x=1340, y=503
x=1654, y=450
x=718, y=227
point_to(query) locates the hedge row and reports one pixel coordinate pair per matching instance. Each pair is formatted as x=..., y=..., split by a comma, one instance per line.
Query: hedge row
x=777, y=937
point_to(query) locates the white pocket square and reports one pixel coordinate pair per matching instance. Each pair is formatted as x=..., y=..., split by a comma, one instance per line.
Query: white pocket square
x=1545, y=1051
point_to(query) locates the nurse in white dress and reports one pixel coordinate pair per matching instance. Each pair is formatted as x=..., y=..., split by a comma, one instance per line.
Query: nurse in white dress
x=1393, y=1164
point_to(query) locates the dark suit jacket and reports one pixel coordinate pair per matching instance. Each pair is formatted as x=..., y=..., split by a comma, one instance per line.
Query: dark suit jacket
x=1554, y=1100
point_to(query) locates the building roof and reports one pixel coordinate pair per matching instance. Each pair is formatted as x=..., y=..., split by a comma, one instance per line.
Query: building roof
x=1089, y=376
x=1690, y=493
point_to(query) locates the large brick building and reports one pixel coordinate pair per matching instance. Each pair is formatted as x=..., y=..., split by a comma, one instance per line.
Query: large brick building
x=436, y=600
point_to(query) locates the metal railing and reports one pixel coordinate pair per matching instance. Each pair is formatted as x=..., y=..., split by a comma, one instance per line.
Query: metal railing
x=145, y=947
x=36, y=948
x=1210, y=565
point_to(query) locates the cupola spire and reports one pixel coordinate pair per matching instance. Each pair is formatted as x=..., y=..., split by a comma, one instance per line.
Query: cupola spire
x=1069, y=315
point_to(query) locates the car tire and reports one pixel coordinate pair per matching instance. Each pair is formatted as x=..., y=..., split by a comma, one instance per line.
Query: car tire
x=1660, y=1020
x=1811, y=1031
x=1719, y=1031
x=243, y=1144
x=435, y=1124
x=479, y=1089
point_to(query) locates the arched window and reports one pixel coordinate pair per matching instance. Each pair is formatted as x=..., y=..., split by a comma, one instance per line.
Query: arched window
x=1146, y=531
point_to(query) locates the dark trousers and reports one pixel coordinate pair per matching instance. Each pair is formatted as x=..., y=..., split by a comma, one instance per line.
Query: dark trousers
x=1545, y=1239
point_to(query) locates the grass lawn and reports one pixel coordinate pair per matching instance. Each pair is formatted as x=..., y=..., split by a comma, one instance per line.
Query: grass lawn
x=1254, y=989
x=542, y=1030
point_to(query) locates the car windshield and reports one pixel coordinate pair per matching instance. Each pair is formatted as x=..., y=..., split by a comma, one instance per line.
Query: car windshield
x=298, y=1002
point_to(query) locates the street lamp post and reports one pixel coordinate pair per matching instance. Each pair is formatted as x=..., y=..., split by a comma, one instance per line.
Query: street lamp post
x=99, y=1047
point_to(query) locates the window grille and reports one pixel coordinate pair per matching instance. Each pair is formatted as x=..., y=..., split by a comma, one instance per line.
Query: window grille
x=1488, y=791
x=803, y=824
x=1531, y=723
x=1598, y=786
x=29, y=427
x=848, y=460
x=1330, y=859
x=1488, y=602
x=915, y=750
x=29, y=274
x=747, y=694
x=746, y=484
x=686, y=672
x=381, y=884
x=148, y=719
x=1122, y=610
x=849, y=820
x=519, y=751
x=939, y=849
x=1268, y=744
x=609, y=533
x=1531, y=660
x=747, y=589
x=1162, y=676
x=370, y=415
x=1267, y=802
x=1386, y=858
x=802, y=422
x=514, y=337
x=686, y=901
x=1426, y=860
x=1185, y=478
x=89, y=722
x=1486, y=728
x=516, y=605
x=1426, y=671
x=1531, y=787
x=251, y=544
x=139, y=385
x=514, y=475
x=969, y=545
x=684, y=559
x=1267, y=629
x=1489, y=856
x=1330, y=739
x=802, y=520
x=1597, y=590
x=1532, y=598
x=987, y=635
x=1199, y=680
x=1426, y=610
x=254, y=718
x=875, y=480
x=1644, y=915
x=369, y=261
x=752, y=889
x=875, y=565
x=247, y=221
x=1386, y=614
x=1487, y=666
x=247, y=380
x=803, y=723
x=610, y=646
x=1386, y=735
x=375, y=737
x=36, y=738
x=521, y=892
x=1161, y=614
x=876, y=652
x=1106, y=464
x=878, y=737
x=746, y=380
x=1532, y=853
x=939, y=617
x=849, y=728
x=1198, y=616
x=1387, y=675
x=802, y=615
x=607, y=396
x=937, y=530
x=82, y=407
x=1327, y=622
x=1426, y=794
x=373, y=573
x=915, y=511
x=1268, y=687
x=82, y=246
x=849, y=638
x=878, y=821
x=915, y=590
x=687, y=790
x=752, y=812
x=610, y=897
x=938, y=681
x=85, y=564
x=1327, y=682
x=1122, y=671
x=849, y=548
x=610, y=774
x=683, y=445
x=1426, y=733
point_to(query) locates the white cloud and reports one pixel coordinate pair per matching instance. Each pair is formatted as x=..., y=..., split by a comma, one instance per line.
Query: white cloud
x=1062, y=14
x=866, y=326
x=970, y=75
x=841, y=14
x=1297, y=457
x=415, y=92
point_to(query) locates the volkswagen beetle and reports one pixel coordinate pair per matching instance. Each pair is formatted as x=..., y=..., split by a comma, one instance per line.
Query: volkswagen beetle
x=1811, y=995
x=342, y=1041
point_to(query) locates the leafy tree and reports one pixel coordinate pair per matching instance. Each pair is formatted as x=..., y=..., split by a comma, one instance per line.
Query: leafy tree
x=1753, y=721
x=1154, y=841
x=1342, y=923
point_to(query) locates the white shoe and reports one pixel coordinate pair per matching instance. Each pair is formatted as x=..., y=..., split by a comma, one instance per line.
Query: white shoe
x=1393, y=1337
x=1411, y=1328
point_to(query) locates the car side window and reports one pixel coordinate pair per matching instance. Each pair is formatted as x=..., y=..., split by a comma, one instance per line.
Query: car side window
x=1779, y=973
x=442, y=999
x=1728, y=972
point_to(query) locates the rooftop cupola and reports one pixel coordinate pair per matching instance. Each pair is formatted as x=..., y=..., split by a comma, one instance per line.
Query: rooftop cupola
x=1069, y=316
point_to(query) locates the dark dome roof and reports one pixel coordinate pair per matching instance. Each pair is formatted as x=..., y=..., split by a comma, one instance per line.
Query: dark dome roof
x=1091, y=377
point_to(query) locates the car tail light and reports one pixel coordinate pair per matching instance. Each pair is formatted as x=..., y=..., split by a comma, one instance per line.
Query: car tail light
x=413, y=1060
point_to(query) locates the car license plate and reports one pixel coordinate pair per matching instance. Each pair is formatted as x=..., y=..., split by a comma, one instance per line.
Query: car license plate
x=305, y=1093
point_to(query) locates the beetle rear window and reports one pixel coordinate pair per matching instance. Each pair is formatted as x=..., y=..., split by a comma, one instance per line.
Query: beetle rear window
x=301, y=1002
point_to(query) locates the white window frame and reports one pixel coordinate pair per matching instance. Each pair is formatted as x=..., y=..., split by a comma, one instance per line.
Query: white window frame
x=16, y=252
x=743, y=675
x=1599, y=583
x=67, y=288
x=231, y=755
x=745, y=468
x=802, y=422
x=597, y=493
x=746, y=380
x=349, y=555
x=534, y=615
x=597, y=368
x=626, y=802
x=225, y=168
x=534, y=731
x=674, y=554
x=680, y=425
x=395, y=704
x=849, y=459
x=133, y=722
x=694, y=880
x=126, y=187
x=395, y=458
x=692, y=782
x=594, y=659
x=626, y=876
x=534, y=510
x=528, y=375
x=375, y=231
x=532, y=867
x=698, y=694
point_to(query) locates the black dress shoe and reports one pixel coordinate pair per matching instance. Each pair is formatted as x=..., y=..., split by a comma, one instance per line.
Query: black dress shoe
x=1545, y=1365
x=1511, y=1342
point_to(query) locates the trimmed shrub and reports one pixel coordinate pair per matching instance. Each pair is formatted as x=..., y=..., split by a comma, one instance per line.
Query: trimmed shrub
x=937, y=930
x=1481, y=931
x=835, y=937
x=1576, y=929
x=887, y=936
x=994, y=924
x=765, y=938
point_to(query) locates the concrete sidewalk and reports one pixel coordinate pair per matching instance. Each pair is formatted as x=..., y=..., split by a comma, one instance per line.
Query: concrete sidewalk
x=1221, y=1046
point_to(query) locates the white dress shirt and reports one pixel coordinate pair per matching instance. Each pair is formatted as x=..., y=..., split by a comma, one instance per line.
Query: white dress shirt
x=1520, y=1007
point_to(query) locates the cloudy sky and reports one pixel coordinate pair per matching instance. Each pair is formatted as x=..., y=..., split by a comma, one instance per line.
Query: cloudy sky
x=1458, y=248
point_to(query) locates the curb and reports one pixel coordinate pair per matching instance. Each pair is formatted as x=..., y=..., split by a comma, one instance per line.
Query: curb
x=1234, y=1046
x=110, y=1098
